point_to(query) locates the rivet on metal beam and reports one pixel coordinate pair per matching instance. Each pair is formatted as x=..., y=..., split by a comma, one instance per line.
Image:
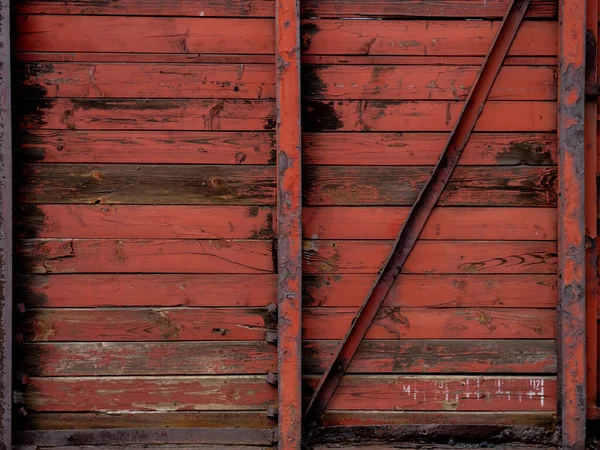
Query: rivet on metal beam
x=272, y=310
x=271, y=378
x=272, y=412
x=271, y=337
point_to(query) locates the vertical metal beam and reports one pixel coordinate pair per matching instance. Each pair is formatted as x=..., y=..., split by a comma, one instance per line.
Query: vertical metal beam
x=420, y=211
x=289, y=222
x=571, y=234
x=6, y=241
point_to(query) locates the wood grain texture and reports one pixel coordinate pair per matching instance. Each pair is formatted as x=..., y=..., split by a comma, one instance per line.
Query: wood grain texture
x=413, y=149
x=369, y=222
x=149, y=394
x=469, y=186
x=421, y=37
x=393, y=322
x=147, y=184
x=422, y=82
x=139, y=255
x=438, y=356
x=147, y=114
x=389, y=115
x=148, y=147
x=164, y=290
x=212, y=358
x=266, y=8
x=146, y=324
x=434, y=291
x=447, y=9
x=144, y=222
x=58, y=33
x=240, y=81
x=430, y=257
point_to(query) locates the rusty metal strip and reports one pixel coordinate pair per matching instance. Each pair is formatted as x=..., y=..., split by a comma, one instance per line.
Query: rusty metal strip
x=289, y=223
x=571, y=222
x=6, y=239
x=130, y=436
x=420, y=211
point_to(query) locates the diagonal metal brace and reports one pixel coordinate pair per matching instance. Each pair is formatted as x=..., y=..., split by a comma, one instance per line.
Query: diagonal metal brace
x=420, y=211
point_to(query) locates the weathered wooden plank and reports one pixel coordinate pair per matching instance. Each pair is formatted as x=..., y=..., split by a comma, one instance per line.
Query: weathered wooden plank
x=217, y=358
x=393, y=322
x=241, y=81
x=422, y=82
x=438, y=356
x=429, y=393
x=524, y=419
x=434, y=291
x=143, y=34
x=148, y=114
x=418, y=37
x=266, y=8
x=149, y=358
x=147, y=184
x=468, y=186
x=109, y=290
x=148, y=147
x=144, y=222
x=139, y=255
x=430, y=257
x=449, y=223
x=145, y=324
x=149, y=393
x=389, y=115
x=413, y=149
x=417, y=8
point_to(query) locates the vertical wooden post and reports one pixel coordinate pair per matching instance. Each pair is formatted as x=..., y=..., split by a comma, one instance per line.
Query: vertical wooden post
x=289, y=221
x=571, y=235
x=6, y=241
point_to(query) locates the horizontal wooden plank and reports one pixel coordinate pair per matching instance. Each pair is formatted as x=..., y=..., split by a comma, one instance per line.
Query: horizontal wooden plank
x=266, y=8
x=422, y=82
x=212, y=358
x=438, y=356
x=145, y=324
x=149, y=147
x=144, y=222
x=149, y=393
x=109, y=290
x=140, y=255
x=241, y=81
x=147, y=184
x=434, y=291
x=45, y=33
x=469, y=186
x=369, y=222
x=413, y=149
x=506, y=418
x=388, y=115
x=147, y=114
x=417, y=37
x=354, y=393
x=149, y=419
x=149, y=358
x=251, y=324
x=236, y=8
x=430, y=257
x=428, y=8
x=393, y=322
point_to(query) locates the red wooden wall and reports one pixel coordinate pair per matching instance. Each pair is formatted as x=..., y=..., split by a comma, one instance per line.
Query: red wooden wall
x=147, y=189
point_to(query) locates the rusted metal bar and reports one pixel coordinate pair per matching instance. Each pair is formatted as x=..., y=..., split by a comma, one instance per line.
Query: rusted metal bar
x=129, y=436
x=6, y=241
x=571, y=222
x=289, y=223
x=420, y=211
